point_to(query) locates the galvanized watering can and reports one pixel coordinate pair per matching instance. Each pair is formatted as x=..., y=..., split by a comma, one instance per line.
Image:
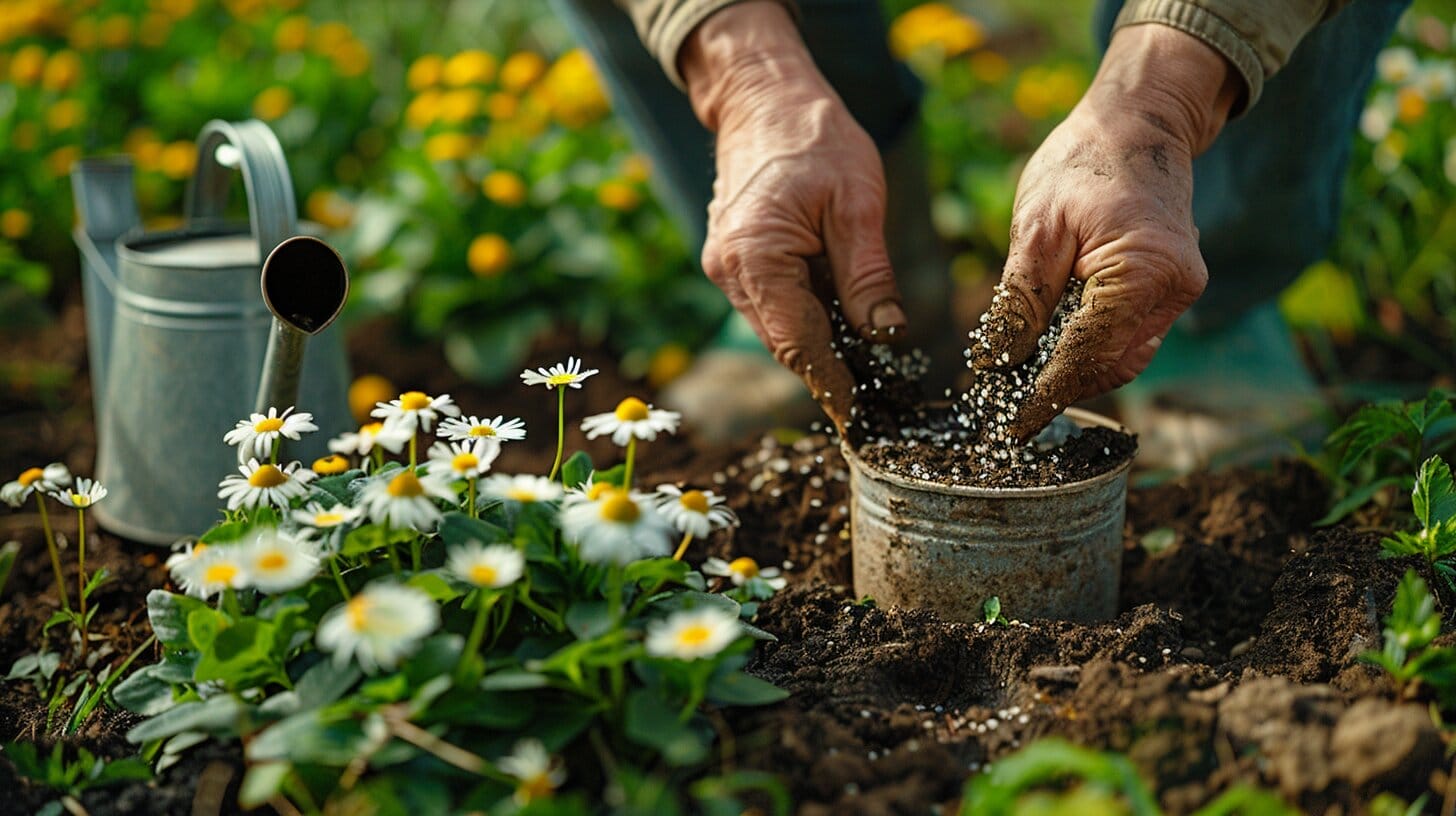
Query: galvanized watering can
x=179, y=328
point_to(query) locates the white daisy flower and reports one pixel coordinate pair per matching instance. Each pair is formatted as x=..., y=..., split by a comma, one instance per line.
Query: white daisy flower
x=48, y=479
x=743, y=569
x=405, y=499
x=500, y=429
x=262, y=484
x=81, y=495
x=276, y=561
x=617, y=528
x=695, y=512
x=377, y=627
x=693, y=633
x=522, y=489
x=1437, y=80
x=463, y=460
x=211, y=569
x=589, y=490
x=488, y=566
x=255, y=436
x=633, y=418
x=568, y=374
x=537, y=774
x=317, y=517
x=184, y=551
x=363, y=441
x=1378, y=117
x=1396, y=65
x=415, y=410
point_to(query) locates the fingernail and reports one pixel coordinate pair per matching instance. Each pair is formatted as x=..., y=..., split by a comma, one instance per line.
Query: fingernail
x=887, y=316
x=1155, y=342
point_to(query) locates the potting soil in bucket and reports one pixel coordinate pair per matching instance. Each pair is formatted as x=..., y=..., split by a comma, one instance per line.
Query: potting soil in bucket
x=948, y=509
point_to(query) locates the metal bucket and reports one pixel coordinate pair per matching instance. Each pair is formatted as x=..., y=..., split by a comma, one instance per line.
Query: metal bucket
x=1046, y=552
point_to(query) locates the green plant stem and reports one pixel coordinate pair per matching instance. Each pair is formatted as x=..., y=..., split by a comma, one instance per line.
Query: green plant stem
x=50, y=537
x=81, y=577
x=477, y=631
x=412, y=448
x=627, y=470
x=682, y=548
x=553, y=619
x=470, y=498
x=393, y=553
x=615, y=579
x=230, y=603
x=560, y=431
x=377, y=456
x=273, y=456
x=415, y=548
x=339, y=578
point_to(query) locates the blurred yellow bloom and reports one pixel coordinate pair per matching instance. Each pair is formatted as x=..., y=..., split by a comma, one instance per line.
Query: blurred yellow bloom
x=469, y=68
x=425, y=72
x=521, y=69
x=619, y=196
x=15, y=224
x=667, y=364
x=27, y=66
x=504, y=188
x=330, y=209
x=501, y=106
x=145, y=149
x=1041, y=92
x=60, y=160
x=62, y=71
x=367, y=391
x=572, y=91
x=291, y=34
x=489, y=255
x=989, y=67
x=1410, y=105
x=461, y=105
x=246, y=10
x=935, y=25
x=448, y=147
x=82, y=34
x=272, y=103
x=351, y=59
x=423, y=110
x=636, y=168
x=330, y=36
x=154, y=30
x=177, y=159
x=176, y=9
x=25, y=136
x=64, y=114
x=115, y=32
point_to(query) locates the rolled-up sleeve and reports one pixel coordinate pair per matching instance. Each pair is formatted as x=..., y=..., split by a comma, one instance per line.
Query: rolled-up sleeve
x=663, y=25
x=1257, y=36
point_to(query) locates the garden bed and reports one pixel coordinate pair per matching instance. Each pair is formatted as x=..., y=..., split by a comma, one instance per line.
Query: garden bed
x=1234, y=658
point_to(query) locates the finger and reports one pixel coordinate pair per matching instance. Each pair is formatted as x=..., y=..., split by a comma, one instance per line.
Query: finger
x=1149, y=336
x=854, y=235
x=716, y=272
x=1036, y=273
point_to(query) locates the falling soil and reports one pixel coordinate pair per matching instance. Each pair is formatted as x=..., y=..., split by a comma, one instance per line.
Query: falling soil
x=946, y=458
x=1234, y=659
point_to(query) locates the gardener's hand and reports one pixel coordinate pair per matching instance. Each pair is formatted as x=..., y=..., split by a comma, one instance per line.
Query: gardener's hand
x=797, y=178
x=1108, y=198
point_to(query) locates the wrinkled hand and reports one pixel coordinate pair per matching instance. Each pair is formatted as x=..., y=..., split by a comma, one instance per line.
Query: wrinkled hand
x=1107, y=199
x=797, y=179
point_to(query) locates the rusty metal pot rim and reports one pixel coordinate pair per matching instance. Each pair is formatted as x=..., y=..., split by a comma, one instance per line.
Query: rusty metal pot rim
x=1086, y=419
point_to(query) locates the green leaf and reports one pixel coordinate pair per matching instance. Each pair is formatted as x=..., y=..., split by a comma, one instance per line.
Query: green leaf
x=168, y=615
x=243, y=653
x=457, y=529
x=7, y=562
x=576, y=470
x=435, y=585
x=336, y=489
x=371, y=537
x=309, y=737
x=612, y=475
x=97, y=578
x=514, y=680
x=1434, y=496
x=737, y=688
x=263, y=781
x=144, y=692
x=650, y=722
x=321, y=684
x=588, y=619
x=221, y=715
x=1356, y=499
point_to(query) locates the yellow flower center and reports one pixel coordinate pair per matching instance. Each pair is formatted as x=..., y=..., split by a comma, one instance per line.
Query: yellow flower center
x=536, y=786
x=406, y=486
x=482, y=430
x=268, y=425
x=599, y=489
x=31, y=476
x=561, y=379
x=220, y=573
x=358, y=612
x=272, y=561
x=414, y=400
x=80, y=500
x=464, y=461
x=330, y=465
x=521, y=494
x=694, y=635
x=372, y=429
x=695, y=501
x=744, y=566
x=631, y=409
x=327, y=519
x=483, y=575
x=198, y=548
x=620, y=508
x=267, y=476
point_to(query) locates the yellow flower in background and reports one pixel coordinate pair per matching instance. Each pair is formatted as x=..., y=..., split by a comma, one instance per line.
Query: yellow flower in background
x=425, y=72
x=424, y=109
x=272, y=103
x=64, y=114
x=501, y=106
x=145, y=148
x=291, y=34
x=667, y=364
x=1041, y=92
x=60, y=160
x=176, y=9
x=938, y=26
x=489, y=255
x=25, y=136
x=246, y=10
x=27, y=66
x=351, y=59
x=461, y=105
x=504, y=188
x=115, y=32
x=636, y=168
x=619, y=196
x=330, y=209
x=177, y=160
x=469, y=68
x=989, y=67
x=62, y=71
x=572, y=92
x=15, y=224
x=328, y=37
x=367, y=391
x=154, y=30
x=82, y=34
x=521, y=69
x=448, y=147
x=1410, y=105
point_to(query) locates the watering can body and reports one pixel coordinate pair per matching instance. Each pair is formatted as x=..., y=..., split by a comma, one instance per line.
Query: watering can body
x=178, y=330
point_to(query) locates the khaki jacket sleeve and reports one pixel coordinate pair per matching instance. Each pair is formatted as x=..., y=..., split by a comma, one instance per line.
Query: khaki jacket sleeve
x=663, y=25
x=1257, y=36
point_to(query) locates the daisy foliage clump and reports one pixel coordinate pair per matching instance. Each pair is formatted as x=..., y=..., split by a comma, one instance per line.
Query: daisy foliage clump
x=441, y=628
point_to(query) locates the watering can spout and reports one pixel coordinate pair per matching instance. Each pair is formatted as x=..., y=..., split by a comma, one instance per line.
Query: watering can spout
x=304, y=285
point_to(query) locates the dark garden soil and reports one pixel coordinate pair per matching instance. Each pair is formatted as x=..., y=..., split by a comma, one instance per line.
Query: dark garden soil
x=1234, y=658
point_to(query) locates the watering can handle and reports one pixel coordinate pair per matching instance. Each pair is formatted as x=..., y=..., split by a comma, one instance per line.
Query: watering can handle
x=251, y=147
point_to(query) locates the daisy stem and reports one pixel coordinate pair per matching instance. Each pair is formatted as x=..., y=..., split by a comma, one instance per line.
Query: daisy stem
x=393, y=552
x=273, y=457
x=413, y=442
x=560, y=430
x=627, y=471
x=339, y=578
x=81, y=576
x=378, y=457
x=470, y=498
x=50, y=537
x=614, y=605
x=683, y=547
x=552, y=619
x=477, y=631
x=415, y=547
x=230, y=603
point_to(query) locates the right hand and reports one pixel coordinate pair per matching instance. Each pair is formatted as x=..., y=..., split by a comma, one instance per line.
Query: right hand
x=797, y=178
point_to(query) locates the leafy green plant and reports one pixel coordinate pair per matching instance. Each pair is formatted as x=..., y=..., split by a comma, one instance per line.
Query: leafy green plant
x=7, y=562
x=1434, y=501
x=991, y=610
x=70, y=775
x=1407, y=653
x=1379, y=448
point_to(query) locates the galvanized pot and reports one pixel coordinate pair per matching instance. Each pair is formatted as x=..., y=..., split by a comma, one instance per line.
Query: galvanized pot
x=178, y=329
x=1046, y=552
